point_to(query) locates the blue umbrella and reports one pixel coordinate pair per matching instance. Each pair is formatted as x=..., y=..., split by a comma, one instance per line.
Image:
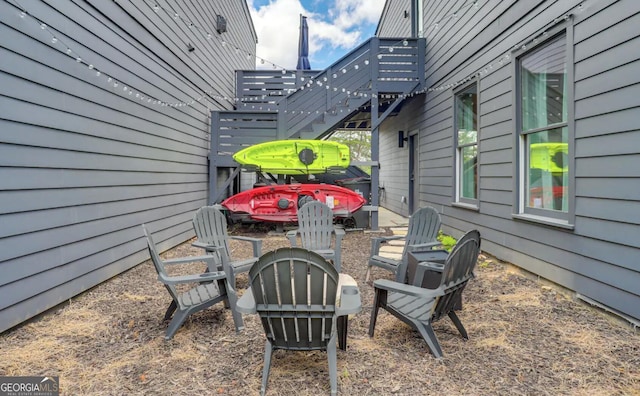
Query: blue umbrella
x=303, y=45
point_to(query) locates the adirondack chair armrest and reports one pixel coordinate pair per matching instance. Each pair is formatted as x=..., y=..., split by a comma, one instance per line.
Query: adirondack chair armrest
x=205, y=246
x=430, y=266
x=377, y=241
x=247, y=303
x=257, y=243
x=410, y=290
x=422, y=246
x=205, y=277
x=350, y=301
x=191, y=259
x=292, y=236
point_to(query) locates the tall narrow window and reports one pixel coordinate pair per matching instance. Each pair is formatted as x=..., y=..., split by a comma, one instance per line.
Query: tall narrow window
x=466, y=135
x=543, y=129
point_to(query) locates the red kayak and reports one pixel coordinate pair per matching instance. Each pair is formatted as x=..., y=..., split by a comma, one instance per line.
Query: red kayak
x=280, y=202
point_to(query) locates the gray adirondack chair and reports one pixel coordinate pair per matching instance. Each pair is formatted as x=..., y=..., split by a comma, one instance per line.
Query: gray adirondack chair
x=436, y=258
x=210, y=226
x=422, y=234
x=418, y=306
x=209, y=288
x=294, y=291
x=316, y=230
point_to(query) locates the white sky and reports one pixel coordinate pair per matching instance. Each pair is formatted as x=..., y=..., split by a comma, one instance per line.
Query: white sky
x=335, y=27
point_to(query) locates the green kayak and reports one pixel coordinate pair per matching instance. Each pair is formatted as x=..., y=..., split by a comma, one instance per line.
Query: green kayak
x=294, y=157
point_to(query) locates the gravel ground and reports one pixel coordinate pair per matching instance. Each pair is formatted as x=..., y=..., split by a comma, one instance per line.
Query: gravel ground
x=526, y=338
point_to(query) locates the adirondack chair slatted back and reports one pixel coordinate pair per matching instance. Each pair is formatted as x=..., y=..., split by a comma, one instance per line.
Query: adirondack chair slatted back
x=424, y=225
x=315, y=222
x=196, y=291
x=159, y=265
x=458, y=270
x=419, y=310
x=210, y=226
x=295, y=292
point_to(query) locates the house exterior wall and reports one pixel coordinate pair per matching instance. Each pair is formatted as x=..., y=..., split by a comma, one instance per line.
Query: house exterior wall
x=394, y=160
x=84, y=162
x=395, y=20
x=596, y=253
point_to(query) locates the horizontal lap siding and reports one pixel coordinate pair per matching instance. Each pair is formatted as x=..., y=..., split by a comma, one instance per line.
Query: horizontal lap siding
x=83, y=163
x=598, y=258
x=394, y=174
x=607, y=147
x=393, y=22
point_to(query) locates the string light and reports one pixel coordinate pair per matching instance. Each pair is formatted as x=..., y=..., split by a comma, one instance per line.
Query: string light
x=361, y=93
x=55, y=39
x=506, y=58
x=454, y=15
x=175, y=16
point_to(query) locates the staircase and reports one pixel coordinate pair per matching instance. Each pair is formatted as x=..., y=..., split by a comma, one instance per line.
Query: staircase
x=310, y=104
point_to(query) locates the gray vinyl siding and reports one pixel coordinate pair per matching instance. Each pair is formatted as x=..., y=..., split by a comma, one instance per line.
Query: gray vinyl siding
x=392, y=21
x=395, y=173
x=83, y=163
x=598, y=258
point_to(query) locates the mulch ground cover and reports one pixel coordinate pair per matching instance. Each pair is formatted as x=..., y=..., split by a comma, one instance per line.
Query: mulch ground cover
x=526, y=338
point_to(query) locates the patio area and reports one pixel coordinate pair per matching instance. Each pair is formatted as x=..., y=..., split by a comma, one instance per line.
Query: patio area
x=525, y=338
